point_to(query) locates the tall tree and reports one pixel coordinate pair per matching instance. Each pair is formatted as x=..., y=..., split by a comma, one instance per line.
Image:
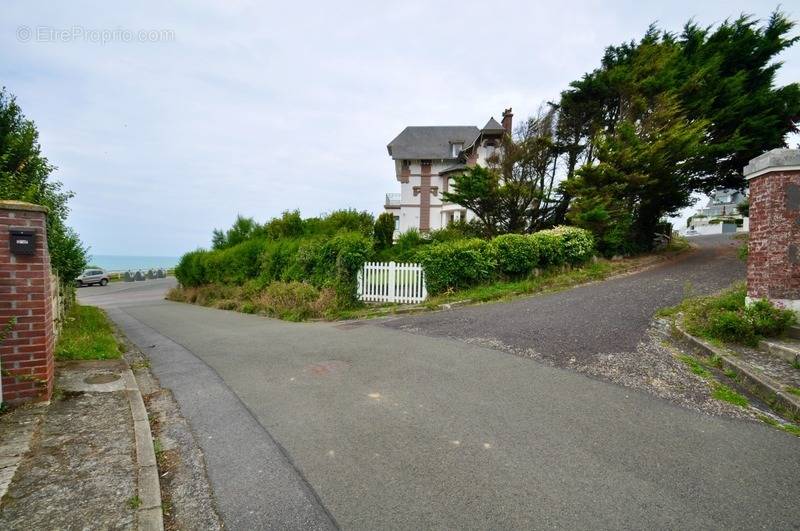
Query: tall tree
x=642, y=173
x=724, y=76
x=25, y=176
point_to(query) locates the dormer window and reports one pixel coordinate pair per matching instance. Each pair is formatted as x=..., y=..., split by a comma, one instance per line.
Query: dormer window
x=456, y=148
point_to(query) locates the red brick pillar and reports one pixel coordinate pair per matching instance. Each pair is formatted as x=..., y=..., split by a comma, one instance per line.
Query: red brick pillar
x=425, y=197
x=26, y=354
x=773, y=265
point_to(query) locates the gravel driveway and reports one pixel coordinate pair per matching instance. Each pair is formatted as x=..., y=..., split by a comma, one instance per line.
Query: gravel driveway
x=574, y=326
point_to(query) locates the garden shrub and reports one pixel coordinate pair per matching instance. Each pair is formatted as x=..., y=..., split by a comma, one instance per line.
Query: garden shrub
x=240, y=262
x=726, y=317
x=383, y=232
x=577, y=244
x=548, y=247
x=293, y=301
x=516, y=255
x=276, y=258
x=457, y=264
x=347, y=252
x=190, y=271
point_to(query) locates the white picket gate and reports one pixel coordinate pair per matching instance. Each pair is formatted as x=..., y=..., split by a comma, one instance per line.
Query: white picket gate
x=391, y=282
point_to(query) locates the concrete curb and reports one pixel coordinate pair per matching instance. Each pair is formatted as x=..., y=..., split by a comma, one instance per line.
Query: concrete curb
x=784, y=352
x=149, y=513
x=757, y=383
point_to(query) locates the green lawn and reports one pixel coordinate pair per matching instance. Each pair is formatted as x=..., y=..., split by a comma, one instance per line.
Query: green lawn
x=87, y=335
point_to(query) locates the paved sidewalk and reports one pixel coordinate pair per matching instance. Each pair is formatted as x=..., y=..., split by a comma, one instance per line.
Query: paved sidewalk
x=81, y=469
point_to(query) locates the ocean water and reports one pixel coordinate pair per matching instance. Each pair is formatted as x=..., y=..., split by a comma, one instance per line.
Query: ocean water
x=112, y=262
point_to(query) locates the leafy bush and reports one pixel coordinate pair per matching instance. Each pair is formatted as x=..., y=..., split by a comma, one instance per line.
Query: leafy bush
x=190, y=271
x=383, y=232
x=348, y=220
x=276, y=259
x=548, y=247
x=517, y=255
x=457, y=264
x=349, y=252
x=577, y=244
x=289, y=225
x=767, y=320
x=726, y=317
x=293, y=301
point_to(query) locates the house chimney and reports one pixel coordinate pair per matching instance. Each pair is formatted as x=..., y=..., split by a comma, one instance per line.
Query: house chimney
x=507, y=117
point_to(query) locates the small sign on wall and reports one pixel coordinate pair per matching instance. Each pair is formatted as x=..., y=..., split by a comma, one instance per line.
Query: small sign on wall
x=22, y=241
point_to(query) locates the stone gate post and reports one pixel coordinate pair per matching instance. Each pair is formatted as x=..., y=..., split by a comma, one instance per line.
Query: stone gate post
x=773, y=264
x=26, y=353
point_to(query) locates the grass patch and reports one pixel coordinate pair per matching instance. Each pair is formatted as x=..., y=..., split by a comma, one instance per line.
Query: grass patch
x=678, y=244
x=87, y=334
x=793, y=390
x=730, y=373
x=725, y=317
x=787, y=427
x=695, y=366
x=726, y=394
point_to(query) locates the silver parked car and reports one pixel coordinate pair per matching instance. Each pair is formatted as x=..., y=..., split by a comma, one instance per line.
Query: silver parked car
x=92, y=276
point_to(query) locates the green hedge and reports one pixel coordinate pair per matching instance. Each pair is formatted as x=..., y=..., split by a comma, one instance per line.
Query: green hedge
x=332, y=262
x=517, y=255
x=462, y=263
x=457, y=264
x=577, y=244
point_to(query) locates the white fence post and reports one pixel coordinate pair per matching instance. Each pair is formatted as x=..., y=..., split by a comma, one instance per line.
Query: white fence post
x=391, y=282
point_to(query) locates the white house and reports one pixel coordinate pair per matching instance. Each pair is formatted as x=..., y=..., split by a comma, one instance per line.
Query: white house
x=425, y=158
x=720, y=215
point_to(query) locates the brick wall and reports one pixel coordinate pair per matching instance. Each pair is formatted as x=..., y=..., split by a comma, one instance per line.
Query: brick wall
x=425, y=197
x=773, y=265
x=26, y=354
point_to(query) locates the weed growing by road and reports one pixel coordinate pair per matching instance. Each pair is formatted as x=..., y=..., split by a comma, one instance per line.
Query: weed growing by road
x=134, y=502
x=788, y=427
x=87, y=335
x=723, y=392
x=695, y=366
x=719, y=390
x=793, y=390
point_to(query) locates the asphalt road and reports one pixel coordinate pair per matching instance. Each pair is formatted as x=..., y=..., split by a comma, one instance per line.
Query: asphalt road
x=598, y=318
x=369, y=427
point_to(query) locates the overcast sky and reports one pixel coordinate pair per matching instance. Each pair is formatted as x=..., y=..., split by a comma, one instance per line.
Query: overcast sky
x=255, y=108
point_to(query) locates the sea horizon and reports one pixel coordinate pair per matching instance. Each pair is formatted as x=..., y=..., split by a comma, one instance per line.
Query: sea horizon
x=120, y=262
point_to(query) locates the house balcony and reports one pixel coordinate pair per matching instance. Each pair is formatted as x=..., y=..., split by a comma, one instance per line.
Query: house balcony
x=393, y=201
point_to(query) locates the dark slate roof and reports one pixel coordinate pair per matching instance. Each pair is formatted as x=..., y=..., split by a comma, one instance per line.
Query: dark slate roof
x=431, y=142
x=492, y=127
x=455, y=167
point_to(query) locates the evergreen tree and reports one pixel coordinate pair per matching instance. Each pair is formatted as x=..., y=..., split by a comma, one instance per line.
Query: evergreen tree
x=25, y=176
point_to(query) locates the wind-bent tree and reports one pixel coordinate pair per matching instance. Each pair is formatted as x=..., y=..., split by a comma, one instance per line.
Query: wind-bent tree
x=643, y=172
x=716, y=85
x=25, y=176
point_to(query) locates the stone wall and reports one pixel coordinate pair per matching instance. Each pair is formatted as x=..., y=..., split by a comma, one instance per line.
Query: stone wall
x=26, y=354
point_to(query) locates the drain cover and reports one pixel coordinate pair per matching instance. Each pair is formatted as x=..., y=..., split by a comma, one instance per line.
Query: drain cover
x=101, y=378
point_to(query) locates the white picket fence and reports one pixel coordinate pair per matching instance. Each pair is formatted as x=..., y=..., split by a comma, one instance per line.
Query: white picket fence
x=391, y=282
